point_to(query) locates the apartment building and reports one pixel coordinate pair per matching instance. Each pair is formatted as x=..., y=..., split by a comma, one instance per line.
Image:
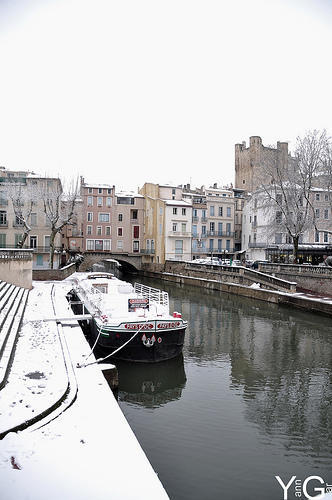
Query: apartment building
x=27, y=186
x=168, y=223
x=213, y=220
x=113, y=221
x=263, y=240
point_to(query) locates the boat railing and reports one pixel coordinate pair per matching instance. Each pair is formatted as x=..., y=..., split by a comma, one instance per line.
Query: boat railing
x=153, y=294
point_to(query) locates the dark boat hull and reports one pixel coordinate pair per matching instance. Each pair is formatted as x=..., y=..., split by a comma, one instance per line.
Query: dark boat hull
x=167, y=344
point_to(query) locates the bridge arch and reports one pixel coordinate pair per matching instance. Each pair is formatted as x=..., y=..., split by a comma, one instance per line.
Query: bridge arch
x=130, y=263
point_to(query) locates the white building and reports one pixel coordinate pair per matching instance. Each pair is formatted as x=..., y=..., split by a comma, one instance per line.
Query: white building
x=178, y=230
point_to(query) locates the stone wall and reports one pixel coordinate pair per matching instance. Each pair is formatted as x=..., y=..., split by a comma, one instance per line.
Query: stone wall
x=16, y=267
x=313, y=278
x=53, y=274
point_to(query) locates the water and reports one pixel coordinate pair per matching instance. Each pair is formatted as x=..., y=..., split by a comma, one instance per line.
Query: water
x=250, y=399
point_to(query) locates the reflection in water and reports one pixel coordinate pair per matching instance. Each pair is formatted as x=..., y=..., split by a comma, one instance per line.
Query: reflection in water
x=151, y=384
x=261, y=376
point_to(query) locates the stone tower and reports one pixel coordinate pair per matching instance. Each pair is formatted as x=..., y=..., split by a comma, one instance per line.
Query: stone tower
x=249, y=173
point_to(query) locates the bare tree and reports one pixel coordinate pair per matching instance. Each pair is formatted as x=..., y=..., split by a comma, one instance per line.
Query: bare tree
x=59, y=205
x=23, y=198
x=287, y=183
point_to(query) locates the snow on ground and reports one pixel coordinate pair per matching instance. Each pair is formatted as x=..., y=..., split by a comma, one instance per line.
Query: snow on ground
x=89, y=450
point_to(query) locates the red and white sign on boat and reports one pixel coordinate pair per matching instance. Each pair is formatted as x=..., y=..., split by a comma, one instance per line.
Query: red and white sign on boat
x=138, y=326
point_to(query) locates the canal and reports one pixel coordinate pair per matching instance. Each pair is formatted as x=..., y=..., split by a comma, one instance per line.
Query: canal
x=251, y=399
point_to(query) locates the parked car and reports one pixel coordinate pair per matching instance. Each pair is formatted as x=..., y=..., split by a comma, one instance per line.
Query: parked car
x=226, y=262
x=236, y=262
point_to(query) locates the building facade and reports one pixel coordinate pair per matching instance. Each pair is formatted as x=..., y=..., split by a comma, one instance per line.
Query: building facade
x=112, y=221
x=250, y=162
x=28, y=187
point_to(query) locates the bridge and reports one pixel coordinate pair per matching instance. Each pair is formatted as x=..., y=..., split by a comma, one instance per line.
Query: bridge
x=130, y=262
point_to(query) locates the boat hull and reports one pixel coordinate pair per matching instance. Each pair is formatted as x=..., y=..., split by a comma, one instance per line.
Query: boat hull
x=148, y=346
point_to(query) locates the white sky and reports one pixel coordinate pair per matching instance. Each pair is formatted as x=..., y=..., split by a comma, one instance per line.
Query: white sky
x=130, y=91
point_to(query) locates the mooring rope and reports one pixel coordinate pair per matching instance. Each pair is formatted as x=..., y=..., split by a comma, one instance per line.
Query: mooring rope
x=100, y=360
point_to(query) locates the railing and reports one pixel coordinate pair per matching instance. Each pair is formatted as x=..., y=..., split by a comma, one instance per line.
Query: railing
x=296, y=269
x=229, y=234
x=15, y=254
x=147, y=251
x=153, y=294
x=179, y=233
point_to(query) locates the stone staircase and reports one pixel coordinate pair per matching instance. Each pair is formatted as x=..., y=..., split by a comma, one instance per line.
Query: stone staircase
x=13, y=300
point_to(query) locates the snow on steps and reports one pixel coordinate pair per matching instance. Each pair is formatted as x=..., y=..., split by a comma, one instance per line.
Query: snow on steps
x=13, y=300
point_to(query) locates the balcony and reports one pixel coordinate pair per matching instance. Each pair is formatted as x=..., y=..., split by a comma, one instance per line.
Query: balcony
x=182, y=234
x=228, y=234
x=148, y=251
x=195, y=219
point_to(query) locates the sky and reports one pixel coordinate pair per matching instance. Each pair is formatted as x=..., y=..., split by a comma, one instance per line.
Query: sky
x=133, y=91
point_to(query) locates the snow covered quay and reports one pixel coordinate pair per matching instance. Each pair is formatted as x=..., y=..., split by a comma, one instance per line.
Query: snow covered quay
x=62, y=433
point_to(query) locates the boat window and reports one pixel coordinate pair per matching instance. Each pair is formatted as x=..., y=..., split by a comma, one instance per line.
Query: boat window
x=101, y=287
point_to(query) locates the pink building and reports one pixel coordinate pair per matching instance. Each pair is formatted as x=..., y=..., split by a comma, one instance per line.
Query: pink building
x=112, y=222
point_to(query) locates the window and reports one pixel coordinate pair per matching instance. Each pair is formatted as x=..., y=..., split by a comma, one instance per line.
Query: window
x=109, y=191
x=178, y=247
x=183, y=227
x=107, y=244
x=210, y=245
x=119, y=244
x=90, y=244
x=194, y=229
x=47, y=241
x=99, y=245
x=228, y=228
x=211, y=210
x=136, y=231
x=2, y=240
x=90, y=201
x=212, y=228
x=326, y=213
x=278, y=238
x=220, y=211
x=135, y=246
x=326, y=237
x=203, y=230
x=108, y=230
x=120, y=217
x=175, y=228
x=220, y=228
x=3, y=218
x=39, y=261
x=89, y=217
x=103, y=217
x=228, y=245
x=125, y=200
x=90, y=190
x=33, y=220
x=317, y=213
x=108, y=201
x=100, y=191
x=18, y=221
x=133, y=214
x=175, y=211
x=99, y=231
x=33, y=242
x=120, y=231
x=316, y=237
x=3, y=199
x=326, y=197
x=184, y=211
x=203, y=214
x=219, y=245
x=99, y=201
x=18, y=238
x=195, y=212
x=278, y=217
x=88, y=230
x=317, y=196
x=229, y=212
